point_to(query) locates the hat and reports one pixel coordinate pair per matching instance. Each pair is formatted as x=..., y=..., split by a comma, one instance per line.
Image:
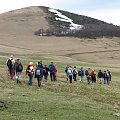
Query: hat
x=30, y=63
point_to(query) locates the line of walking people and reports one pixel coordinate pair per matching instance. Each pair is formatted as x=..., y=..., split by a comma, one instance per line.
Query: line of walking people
x=15, y=69
x=73, y=73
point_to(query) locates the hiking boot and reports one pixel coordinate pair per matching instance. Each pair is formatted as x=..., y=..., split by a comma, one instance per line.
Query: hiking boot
x=39, y=84
x=17, y=81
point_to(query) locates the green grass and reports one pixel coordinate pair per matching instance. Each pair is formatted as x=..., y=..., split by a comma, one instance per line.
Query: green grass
x=58, y=100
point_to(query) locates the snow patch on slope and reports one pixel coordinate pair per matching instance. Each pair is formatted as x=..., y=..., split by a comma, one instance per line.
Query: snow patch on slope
x=64, y=18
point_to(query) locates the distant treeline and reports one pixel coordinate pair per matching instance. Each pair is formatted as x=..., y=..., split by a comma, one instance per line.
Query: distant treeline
x=89, y=31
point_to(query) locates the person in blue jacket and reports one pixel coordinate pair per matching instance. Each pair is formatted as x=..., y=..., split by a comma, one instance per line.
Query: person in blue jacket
x=52, y=71
x=70, y=73
x=39, y=74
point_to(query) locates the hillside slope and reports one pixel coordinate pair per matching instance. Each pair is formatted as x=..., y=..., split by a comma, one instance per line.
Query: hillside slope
x=17, y=27
x=17, y=37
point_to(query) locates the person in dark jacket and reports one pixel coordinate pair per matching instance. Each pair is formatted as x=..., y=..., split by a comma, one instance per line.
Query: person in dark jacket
x=66, y=68
x=87, y=74
x=75, y=72
x=40, y=64
x=45, y=72
x=105, y=77
x=18, y=70
x=100, y=76
x=109, y=76
x=52, y=71
x=39, y=74
x=10, y=64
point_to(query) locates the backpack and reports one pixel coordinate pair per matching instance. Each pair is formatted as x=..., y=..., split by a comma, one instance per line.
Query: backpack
x=38, y=72
x=19, y=67
x=74, y=71
x=52, y=68
x=9, y=63
x=66, y=69
x=80, y=72
x=105, y=75
x=44, y=70
x=86, y=72
x=100, y=74
x=27, y=69
x=69, y=71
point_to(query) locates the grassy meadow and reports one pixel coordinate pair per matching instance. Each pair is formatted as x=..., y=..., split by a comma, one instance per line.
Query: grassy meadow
x=58, y=100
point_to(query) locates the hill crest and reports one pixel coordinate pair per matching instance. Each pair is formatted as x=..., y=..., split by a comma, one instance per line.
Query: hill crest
x=50, y=19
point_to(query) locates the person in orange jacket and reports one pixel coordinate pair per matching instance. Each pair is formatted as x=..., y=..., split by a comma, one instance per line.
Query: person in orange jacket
x=56, y=71
x=30, y=72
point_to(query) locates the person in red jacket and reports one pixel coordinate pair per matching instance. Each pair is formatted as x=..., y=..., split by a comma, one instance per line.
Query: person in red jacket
x=93, y=76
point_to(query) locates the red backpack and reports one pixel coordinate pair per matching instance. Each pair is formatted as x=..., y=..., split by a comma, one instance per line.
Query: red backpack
x=80, y=72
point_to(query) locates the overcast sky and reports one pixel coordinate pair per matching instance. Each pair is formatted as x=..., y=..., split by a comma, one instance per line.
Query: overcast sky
x=106, y=10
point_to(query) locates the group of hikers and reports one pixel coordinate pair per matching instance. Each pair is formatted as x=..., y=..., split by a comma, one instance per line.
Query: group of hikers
x=15, y=68
x=41, y=71
x=91, y=76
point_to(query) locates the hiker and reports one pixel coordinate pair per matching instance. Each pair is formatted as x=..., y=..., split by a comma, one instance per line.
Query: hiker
x=100, y=76
x=55, y=73
x=10, y=64
x=109, y=76
x=87, y=74
x=52, y=71
x=40, y=64
x=45, y=72
x=75, y=72
x=93, y=76
x=105, y=77
x=30, y=72
x=81, y=74
x=70, y=73
x=39, y=74
x=66, y=68
x=18, y=70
